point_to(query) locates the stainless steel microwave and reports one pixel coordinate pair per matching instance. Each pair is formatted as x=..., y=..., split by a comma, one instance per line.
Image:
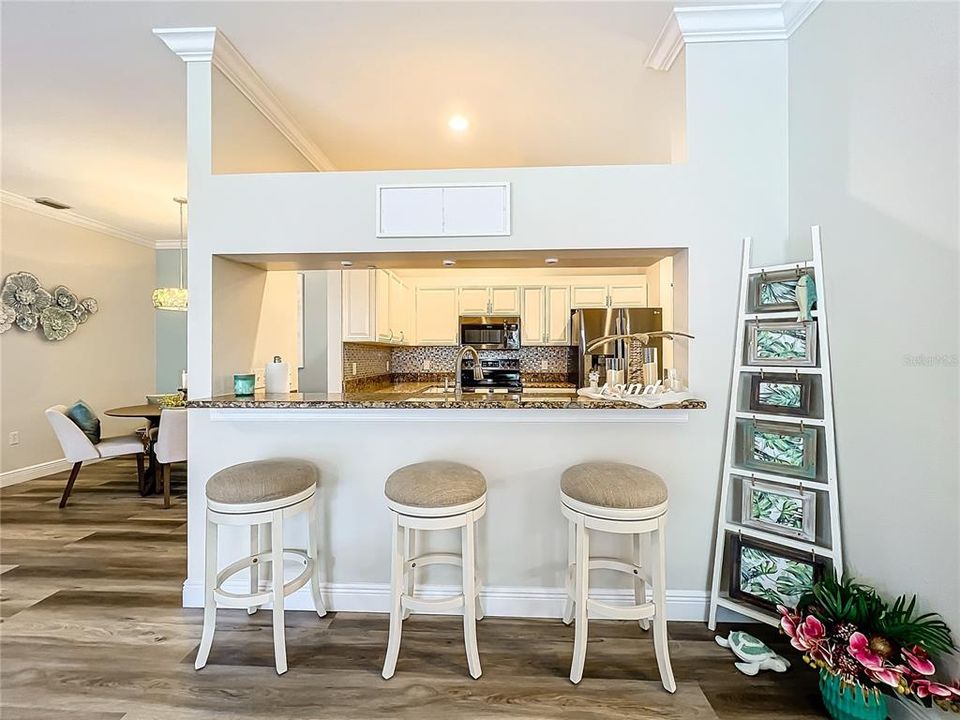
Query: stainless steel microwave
x=490, y=333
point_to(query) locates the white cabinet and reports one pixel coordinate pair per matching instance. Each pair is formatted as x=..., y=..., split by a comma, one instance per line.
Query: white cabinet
x=589, y=296
x=533, y=318
x=452, y=210
x=377, y=307
x=359, y=306
x=492, y=300
x=558, y=315
x=437, y=320
x=614, y=294
x=632, y=295
x=545, y=319
x=474, y=300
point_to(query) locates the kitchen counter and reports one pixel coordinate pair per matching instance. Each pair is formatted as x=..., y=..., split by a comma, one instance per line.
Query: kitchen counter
x=407, y=396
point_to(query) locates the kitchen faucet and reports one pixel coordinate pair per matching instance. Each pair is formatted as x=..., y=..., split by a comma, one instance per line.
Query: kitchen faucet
x=477, y=367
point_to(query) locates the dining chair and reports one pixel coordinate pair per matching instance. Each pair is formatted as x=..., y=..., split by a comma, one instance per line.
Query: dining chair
x=171, y=445
x=78, y=448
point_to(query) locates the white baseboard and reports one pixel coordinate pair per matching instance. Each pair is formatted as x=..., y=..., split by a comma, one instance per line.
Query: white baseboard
x=527, y=602
x=32, y=472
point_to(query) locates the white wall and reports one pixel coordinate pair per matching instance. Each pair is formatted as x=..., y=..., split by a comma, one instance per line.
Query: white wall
x=734, y=184
x=109, y=360
x=873, y=159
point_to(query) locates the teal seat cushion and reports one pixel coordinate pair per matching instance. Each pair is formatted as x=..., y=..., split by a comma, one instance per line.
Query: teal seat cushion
x=86, y=419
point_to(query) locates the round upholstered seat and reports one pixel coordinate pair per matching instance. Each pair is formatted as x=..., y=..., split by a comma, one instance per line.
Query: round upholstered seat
x=614, y=486
x=435, y=485
x=270, y=483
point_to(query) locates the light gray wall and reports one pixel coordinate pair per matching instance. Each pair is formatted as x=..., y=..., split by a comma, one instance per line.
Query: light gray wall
x=313, y=375
x=171, y=327
x=873, y=159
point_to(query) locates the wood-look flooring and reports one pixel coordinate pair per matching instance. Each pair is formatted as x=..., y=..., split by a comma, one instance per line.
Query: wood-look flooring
x=92, y=629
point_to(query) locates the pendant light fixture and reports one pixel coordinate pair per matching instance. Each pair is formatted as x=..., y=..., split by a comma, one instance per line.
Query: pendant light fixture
x=174, y=298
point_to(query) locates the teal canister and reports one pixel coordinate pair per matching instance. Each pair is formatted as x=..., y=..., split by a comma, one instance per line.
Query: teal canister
x=244, y=383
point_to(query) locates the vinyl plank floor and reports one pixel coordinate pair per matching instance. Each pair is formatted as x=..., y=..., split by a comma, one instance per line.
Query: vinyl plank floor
x=91, y=628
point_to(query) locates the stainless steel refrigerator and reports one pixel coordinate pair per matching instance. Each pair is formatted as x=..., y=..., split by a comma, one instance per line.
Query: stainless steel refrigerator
x=591, y=324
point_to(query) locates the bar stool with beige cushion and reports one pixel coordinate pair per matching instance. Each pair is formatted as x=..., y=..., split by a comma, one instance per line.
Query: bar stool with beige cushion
x=628, y=500
x=255, y=494
x=434, y=496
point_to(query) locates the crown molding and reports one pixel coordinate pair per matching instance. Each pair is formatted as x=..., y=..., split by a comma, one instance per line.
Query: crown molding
x=169, y=244
x=72, y=218
x=726, y=23
x=208, y=44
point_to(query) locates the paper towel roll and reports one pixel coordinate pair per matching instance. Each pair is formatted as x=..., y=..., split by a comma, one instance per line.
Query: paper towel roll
x=277, y=376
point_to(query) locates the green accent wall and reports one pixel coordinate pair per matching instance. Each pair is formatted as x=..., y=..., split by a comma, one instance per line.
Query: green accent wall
x=170, y=327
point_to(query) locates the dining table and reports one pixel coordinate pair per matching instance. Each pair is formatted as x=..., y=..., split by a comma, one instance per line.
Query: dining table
x=151, y=413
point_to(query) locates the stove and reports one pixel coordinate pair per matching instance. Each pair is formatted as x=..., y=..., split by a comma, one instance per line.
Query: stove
x=503, y=373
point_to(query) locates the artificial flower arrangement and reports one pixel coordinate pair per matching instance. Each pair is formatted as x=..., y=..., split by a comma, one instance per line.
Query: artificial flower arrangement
x=860, y=642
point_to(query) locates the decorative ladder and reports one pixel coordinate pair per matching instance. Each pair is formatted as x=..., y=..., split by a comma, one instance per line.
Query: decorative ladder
x=826, y=545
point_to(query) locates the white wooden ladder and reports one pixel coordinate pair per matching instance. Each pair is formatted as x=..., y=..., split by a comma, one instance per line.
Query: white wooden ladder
x=827, y=544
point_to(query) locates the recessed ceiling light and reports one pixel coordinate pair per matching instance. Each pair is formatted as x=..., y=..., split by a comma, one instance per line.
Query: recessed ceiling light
x=552, y=261
x=346, y=263
x=458, y=123
x=449, y=263
x=371, y=267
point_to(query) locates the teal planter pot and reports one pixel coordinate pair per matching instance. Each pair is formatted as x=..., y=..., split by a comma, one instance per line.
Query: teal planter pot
x=849, y=702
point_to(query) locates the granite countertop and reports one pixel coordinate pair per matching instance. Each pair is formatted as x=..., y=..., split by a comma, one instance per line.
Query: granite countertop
x=411, y=395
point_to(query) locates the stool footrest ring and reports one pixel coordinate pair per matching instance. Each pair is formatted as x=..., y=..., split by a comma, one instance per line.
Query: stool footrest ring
x=243, y=600
x=432, y=605
x=435, y=559
x=621, y=612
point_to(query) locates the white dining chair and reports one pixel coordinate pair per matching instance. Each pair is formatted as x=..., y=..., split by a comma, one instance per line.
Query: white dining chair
x=171, y=445
x=77, y=447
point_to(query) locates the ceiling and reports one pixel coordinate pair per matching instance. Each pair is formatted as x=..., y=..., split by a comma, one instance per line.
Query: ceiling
x=93, y=103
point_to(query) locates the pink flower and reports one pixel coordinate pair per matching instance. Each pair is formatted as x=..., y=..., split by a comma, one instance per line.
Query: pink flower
x=918, y=660
x=925, y=688
x=788, y=621
x=888, y=676
x=810, y=637
x=860, y=649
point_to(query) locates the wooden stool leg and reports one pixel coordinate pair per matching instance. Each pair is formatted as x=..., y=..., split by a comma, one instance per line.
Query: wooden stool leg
x=582, y=577
x=661, y=641
x=313, y=552
x=255, y=567
x=568, y=576
x=209, y=602
x=469, y=559
x=639, y=584
x=477, y=583
x=165, y=472
x=70, y=481
x=279, y=635
x=396, y=609
x=410, y=552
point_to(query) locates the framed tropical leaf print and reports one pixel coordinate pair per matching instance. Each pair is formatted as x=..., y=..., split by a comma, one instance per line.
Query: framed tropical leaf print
x=782, y=343
x=765, y=575
x=776, y=291
x=779, y=509
x=784, y=449
x=781, y=394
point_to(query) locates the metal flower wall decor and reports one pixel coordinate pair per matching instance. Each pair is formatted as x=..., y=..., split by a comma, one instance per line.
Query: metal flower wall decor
x=24, y=302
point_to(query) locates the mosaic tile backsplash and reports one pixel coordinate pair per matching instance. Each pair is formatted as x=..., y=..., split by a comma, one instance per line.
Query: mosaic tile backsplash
x=557, y=359
x=372, y=362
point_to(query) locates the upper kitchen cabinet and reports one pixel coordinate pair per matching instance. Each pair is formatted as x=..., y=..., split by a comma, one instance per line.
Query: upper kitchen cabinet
x=454, y=210
x=545, y=319
x=615, y=294
x=490, y=300
x=377, y=307
x=436, y=313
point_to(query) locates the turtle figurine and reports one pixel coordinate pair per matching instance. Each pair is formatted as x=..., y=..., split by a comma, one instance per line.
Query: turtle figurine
x=755, y=655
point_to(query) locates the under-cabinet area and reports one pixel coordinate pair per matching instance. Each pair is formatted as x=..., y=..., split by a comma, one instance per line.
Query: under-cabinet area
x=484, y=322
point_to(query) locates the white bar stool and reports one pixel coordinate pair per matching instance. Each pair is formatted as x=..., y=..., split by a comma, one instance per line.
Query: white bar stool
x=434, y=496
x=627, y=500
x=264, y=492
